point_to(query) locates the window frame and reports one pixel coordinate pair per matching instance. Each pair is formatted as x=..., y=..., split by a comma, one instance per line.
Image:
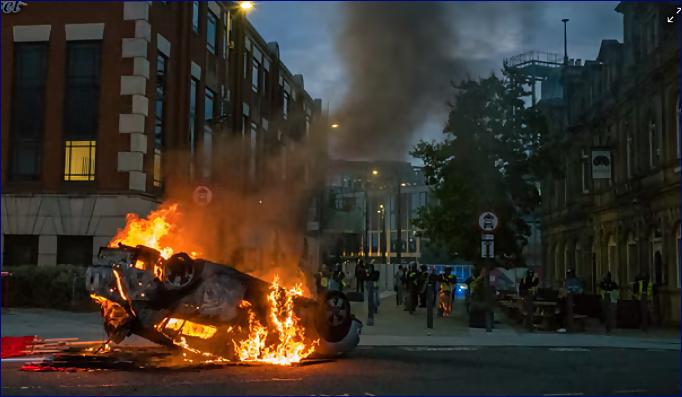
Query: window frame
x=20, y=141
x=212, y=39
x=196, y=18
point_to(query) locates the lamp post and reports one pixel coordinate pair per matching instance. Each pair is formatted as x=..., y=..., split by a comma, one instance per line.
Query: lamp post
x=565, y=20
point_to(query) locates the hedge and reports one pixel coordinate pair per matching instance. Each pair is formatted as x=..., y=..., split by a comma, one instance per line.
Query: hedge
x=51, y=287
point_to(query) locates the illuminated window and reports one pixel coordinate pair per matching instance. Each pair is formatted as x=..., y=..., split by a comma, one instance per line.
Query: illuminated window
x=79, y=160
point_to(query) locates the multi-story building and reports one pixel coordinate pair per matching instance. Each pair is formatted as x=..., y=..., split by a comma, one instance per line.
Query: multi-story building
x=368, y=205
x=617, y=207
x=100, y=97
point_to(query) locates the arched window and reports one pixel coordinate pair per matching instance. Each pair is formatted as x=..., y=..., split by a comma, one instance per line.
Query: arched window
x=654, y=145
x=677, y=248
x=677, y=130
x=631, y=258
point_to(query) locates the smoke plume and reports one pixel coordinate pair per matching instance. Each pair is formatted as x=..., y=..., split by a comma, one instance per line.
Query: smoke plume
x=400, y=59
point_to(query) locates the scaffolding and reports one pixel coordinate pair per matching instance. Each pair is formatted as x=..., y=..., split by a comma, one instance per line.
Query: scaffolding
x=533, y=67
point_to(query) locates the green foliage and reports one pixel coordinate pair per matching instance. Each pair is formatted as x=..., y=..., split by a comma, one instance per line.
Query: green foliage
x=47, y=287
x=494, y=152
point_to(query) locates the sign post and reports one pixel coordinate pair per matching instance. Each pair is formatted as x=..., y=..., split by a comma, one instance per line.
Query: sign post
x=488, y=223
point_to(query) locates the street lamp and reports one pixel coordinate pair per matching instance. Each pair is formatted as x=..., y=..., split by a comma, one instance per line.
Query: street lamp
x=246, y=6
x=335, y=125
x=375, y=172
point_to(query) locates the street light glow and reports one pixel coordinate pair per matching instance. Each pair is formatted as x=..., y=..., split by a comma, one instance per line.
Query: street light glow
x=403, y=184
x=335, y=125
x=246, y=5
x=375, y=172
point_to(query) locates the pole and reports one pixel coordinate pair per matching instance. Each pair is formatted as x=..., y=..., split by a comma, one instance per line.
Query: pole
x=565, y=20
x=370, y=302
x=399, y=248
x=429, y=304
x=366, y=244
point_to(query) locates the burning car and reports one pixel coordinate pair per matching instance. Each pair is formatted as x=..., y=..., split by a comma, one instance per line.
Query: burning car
x=214, y=311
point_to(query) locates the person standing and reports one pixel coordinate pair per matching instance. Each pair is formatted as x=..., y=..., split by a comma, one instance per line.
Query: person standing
x=413, y=288
x=609, y=295
x=643, y=291
x=447, y=283
x=527, y=290
x=360, y=273
x=398, y=285
x=423, y=281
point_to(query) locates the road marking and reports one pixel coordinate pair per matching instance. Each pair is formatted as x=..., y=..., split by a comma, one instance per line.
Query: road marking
x=285, y=379
x=438, y=349
x=564, y=394
x=628, y=391
x=369, y=394
x=22, y=359
x=569, y=349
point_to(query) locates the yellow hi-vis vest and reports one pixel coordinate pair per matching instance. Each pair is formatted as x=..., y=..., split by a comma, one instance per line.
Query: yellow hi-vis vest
x=640, y=287
x=324, y=282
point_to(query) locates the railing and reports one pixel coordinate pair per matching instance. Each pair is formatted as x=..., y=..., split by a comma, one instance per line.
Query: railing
x=530, y=57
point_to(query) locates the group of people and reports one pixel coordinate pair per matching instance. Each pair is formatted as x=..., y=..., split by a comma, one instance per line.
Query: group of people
x=411, y=285
x=609, y=292
x=330, y=278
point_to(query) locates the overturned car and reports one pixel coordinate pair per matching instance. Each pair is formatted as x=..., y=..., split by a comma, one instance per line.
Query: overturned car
x=214, y=310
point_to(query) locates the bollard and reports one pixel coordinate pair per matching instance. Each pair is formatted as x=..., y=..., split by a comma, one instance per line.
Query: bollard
x=370, y=303
x=429, y=305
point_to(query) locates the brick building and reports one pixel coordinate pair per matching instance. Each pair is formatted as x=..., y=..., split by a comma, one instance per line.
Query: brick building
x=617, y=208
x=95, y=97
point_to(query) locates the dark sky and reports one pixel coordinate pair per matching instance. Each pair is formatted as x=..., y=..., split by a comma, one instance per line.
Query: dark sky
x=307, y=35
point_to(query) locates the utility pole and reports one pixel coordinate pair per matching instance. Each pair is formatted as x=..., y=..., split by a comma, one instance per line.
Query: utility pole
x=565, y=20
x=399, y=248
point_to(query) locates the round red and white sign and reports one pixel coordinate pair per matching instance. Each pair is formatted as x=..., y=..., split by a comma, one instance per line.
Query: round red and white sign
x=202, y=195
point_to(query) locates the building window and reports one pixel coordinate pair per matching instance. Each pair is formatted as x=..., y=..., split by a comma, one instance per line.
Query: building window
x=28, y=110
x=81, y=110
x=159, y=112
x=226, y=36
x=255, y=75
x=193, y=93
x=209, y=102
x=79, y=161
x=253, y=151
x=628, y=156
x=654, y=145
x=74, y=250
x=195, y=16
x=20, y=249
x=211, y=32
x=246, y=63
x=286, y=100
x=677, y=252
x=677, y=127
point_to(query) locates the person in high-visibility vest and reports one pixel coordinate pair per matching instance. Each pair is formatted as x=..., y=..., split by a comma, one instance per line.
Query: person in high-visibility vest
x=643, y=291
x=447, y=283
x=609, y=294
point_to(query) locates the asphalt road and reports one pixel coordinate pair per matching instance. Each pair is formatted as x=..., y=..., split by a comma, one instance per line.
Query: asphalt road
x=390, y=371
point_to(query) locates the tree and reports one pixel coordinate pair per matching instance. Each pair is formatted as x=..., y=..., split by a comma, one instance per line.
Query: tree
x=493, y=154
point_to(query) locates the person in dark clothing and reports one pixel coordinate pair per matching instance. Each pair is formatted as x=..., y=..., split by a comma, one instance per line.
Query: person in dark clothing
x=609, y=295
x=360, y=273
x=527, y=289
x=423, y=281
x=643, y=291
x=412, y=287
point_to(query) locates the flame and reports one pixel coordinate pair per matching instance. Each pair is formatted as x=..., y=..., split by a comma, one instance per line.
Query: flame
x=149, y=231
x=188, y=328
x=291, y=347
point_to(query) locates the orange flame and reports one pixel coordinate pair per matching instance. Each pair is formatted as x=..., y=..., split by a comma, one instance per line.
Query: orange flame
x=291, y=347
x=150, y=231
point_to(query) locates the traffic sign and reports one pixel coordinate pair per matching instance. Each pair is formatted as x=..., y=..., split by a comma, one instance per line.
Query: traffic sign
x=487, y=249
x=487, y=237
x=488, y=221
x=202, y=195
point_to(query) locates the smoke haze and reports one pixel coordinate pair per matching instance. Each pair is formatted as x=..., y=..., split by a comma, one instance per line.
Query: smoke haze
x=399, y=60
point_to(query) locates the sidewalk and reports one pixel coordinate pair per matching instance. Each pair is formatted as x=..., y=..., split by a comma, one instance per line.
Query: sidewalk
x=395, y=327
x=392, y=327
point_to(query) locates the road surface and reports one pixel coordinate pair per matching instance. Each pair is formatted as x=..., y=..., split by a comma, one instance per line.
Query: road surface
x=386, y=370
